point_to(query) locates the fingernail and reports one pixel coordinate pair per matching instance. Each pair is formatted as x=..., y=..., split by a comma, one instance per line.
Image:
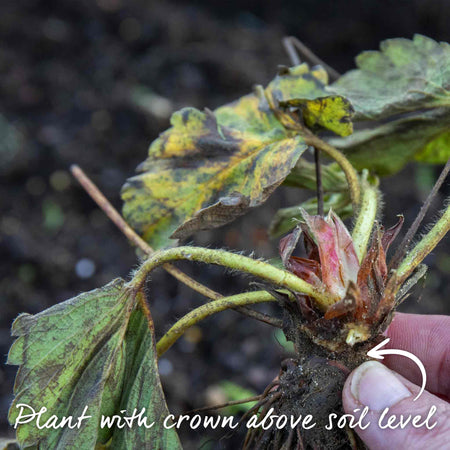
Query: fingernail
x=375, y=386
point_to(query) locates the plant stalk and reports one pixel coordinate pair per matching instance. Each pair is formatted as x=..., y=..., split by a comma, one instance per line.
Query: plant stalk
x=104, y=204
x=253, y=399
x=404, y=245
x=425, y=246
x=291, y=43
x=311, y=139
x=260, y=269
x=112, y=213
x=350, y=173
x=319, y=182
x=206, y=310
x=366, y=218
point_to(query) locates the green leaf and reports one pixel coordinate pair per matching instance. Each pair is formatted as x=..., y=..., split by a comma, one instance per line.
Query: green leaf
x=143, y=390
x=68, y=354
x=286, y=219
x=406, y=85
x=303, y=175
x=387, y=148
x=210, y=168
x=280, y=338
x=436, y=151
x=72, y=356
x=405, y=76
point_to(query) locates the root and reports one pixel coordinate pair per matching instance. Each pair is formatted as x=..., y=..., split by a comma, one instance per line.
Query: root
x=312, y=385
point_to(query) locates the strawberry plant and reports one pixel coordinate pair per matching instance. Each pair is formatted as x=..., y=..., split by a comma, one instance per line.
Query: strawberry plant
x=95, y=355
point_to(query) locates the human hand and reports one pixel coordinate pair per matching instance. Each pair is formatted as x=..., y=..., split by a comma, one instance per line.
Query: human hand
x=375, y=386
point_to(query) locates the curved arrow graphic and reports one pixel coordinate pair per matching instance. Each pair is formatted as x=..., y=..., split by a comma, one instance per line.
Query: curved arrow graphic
x=378, y=353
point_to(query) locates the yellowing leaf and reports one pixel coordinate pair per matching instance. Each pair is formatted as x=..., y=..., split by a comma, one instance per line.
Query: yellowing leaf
x=210, y=168
x=199, y=164
x=333, y=113
x=298, y=82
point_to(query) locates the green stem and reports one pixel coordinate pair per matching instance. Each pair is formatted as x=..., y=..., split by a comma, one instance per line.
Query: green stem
x=424, y=247
x=366, y=217
x=350, y=173
x=260, y=269
x=206, y=310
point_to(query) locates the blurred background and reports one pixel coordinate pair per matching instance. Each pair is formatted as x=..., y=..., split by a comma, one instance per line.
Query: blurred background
x=93, y=82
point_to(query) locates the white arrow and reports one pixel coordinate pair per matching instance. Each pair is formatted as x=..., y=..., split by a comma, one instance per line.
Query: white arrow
x=377, y=353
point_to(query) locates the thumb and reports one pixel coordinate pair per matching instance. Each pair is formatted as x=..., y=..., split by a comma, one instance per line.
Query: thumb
x=387, y=394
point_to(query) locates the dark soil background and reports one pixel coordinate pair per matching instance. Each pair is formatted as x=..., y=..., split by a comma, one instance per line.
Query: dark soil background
x=93, y=82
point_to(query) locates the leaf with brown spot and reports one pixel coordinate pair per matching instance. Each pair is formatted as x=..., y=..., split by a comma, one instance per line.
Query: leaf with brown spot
x=81, y=353
x=333, y=113
x=210, y=168
x=298, y=82
x=143, y=389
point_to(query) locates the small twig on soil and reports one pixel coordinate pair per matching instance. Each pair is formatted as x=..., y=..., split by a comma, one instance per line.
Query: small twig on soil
x=255, y=398
x=104, y=204
x=292, y=44
x=262, y=317
x=123, y=226
x=404, y=245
